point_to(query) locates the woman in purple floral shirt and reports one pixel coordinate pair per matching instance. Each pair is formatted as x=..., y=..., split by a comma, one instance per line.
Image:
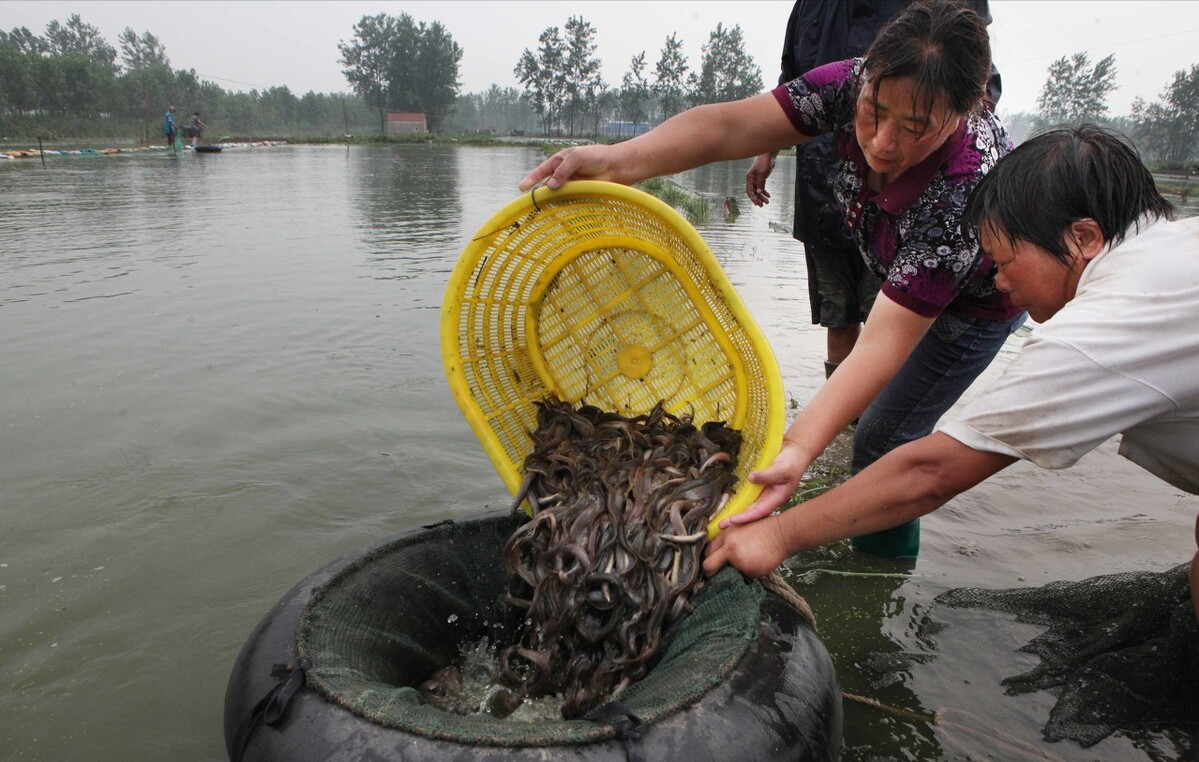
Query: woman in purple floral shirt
x=914, y=140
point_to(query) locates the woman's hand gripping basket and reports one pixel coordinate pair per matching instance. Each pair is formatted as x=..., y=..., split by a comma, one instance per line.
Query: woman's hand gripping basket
x=602, y=293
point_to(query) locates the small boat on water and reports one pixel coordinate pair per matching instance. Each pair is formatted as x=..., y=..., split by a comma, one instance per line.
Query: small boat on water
x=207, y=149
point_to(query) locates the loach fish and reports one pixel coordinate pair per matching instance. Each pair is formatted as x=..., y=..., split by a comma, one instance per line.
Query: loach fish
x=614, y=548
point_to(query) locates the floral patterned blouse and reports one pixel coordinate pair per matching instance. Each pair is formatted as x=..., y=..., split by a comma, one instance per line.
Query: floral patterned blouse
x=909, y=232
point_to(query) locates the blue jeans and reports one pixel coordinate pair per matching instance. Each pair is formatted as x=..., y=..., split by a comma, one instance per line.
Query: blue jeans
x=942, y=366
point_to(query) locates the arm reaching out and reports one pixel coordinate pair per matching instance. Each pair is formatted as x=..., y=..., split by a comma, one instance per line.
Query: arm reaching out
x=698, y=136
x=888, y=338
x=780, y=480
x=904, y=484
x=578, y=163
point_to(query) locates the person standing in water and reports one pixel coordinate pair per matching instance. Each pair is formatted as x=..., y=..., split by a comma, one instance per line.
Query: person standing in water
x=196, y=127
x=169, y=126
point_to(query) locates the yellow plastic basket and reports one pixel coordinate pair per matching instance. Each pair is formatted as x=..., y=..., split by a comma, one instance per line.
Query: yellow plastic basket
x=603, y=293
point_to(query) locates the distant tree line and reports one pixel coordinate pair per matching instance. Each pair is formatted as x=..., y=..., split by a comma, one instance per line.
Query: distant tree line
x=1165, y=132
x=563, y=85
x=71, y=82
x=412, y=66
x=496, y=111
x=399, y=64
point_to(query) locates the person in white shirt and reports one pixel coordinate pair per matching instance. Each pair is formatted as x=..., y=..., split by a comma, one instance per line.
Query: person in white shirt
x=1083, y=241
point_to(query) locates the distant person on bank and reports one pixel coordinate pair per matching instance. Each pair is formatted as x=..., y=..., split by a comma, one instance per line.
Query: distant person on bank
x=1083, y=241
x=169, y=126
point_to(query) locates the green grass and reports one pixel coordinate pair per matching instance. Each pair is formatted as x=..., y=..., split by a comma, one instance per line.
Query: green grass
x=694, y=208
x=1184, y=190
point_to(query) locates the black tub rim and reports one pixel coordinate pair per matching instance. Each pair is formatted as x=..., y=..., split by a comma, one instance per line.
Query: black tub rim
x=780, y=701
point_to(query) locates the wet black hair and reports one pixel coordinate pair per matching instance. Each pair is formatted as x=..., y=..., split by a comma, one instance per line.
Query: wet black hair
x=1059, y=177
x=943, y=46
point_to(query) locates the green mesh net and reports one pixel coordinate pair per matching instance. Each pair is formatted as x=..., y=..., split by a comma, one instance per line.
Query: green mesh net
x=388, y=621
x=1121, y=653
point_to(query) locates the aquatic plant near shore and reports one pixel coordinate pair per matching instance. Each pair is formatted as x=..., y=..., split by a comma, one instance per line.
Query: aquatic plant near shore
x=694, y=207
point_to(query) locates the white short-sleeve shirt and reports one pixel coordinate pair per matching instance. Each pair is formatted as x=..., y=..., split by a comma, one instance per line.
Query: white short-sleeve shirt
x=1122, y=357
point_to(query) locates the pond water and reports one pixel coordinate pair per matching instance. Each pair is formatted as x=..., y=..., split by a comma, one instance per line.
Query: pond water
x=220, y=372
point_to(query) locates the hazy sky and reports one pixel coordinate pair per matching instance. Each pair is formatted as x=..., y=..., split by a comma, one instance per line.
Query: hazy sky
x=241, y=45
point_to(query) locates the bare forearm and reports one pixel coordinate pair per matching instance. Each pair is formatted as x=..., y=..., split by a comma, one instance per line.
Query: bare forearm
x=703, y=135
x=834, y=405
x=716, y=132
x=905, y=484
x=886, y=342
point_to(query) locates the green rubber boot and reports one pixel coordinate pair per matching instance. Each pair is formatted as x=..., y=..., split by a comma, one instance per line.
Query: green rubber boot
x=902, y=541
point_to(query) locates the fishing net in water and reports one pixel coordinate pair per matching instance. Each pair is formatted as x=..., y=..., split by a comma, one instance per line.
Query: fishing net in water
x=1121, y=652
x=383, y=624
